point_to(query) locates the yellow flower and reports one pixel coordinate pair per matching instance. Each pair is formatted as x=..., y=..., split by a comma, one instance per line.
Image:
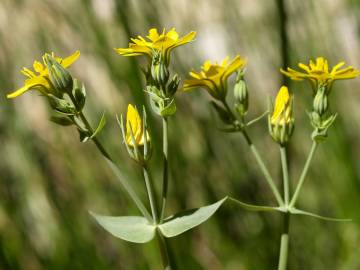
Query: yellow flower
x=134, y=124
x=39, y=78
x=213, y=77
x=163, y=43
x=318, y=72
x=282, y=113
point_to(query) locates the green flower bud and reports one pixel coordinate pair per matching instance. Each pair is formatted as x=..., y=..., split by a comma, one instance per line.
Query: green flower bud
x=159, y=71
x=241, y=97
x=173, y=85
x=60, y=77
x=320, y=102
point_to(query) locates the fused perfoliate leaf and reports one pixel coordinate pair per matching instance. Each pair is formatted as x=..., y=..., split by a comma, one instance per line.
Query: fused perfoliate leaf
x=188, y=219
x=129, y=228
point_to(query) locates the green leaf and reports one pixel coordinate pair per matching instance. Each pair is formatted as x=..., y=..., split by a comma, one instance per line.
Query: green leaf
x=61, y=105
x=169, y=109
x=186, y=220
x=62, y=121
x=100, y=126
x=301, y=212
x=252, y=207
x=129, y=228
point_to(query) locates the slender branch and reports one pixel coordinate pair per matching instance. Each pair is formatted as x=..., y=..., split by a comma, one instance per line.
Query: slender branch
x=151, y=194
x=285, y=170
x=256, y=154
x=90, y=129
x=263, y=169
x=165, y=168
x=303, y=174
x=126, y=185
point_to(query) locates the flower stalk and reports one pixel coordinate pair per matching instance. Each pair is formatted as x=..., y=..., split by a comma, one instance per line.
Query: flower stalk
x=165, y=167
x=284, y=242
x=303, y=174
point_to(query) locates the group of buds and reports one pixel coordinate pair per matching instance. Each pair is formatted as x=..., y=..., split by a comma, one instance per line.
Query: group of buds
x=321, y=119
x=160, y=87
x=67, y=97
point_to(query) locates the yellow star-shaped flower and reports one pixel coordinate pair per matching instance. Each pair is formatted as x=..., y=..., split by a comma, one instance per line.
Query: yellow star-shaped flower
x=213, y=77
x=163, y=43
x=39, y=78
x=318, y=72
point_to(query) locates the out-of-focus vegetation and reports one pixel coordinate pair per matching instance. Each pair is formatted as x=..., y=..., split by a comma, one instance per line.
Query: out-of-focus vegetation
x=48, y=180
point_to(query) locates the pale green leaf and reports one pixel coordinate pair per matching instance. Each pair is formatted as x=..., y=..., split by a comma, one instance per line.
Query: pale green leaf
x=301, y=212
x=186, y=220
x=129, y=228
x=252, y=207
x=100, y=126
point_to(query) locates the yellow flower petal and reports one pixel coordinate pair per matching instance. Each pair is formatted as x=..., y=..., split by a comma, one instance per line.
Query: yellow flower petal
x=134, y=124
x=18, y=92
x=280, y=113
x=68, y=61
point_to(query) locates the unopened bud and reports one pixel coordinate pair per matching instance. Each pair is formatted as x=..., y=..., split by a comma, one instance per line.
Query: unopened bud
x=320, y=102
x=159, y=71
x=281, y=122
x=60, y=78
x=173, y=85
x=241, y=96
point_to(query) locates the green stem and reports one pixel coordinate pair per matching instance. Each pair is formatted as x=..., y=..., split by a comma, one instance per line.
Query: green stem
x=90, y=129
x=165, y=168
x=257, y=156
x=284, y=244
x=95, y=140
x=303, y=174
x=263, y=168
x=151, y=194
x=164, y=250
x=285, y=171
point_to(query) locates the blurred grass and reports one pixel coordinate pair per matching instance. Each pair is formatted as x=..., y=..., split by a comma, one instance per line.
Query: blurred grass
x=49, y=180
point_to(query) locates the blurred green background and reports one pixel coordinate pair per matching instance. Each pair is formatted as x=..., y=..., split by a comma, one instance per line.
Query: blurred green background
x=48, y=180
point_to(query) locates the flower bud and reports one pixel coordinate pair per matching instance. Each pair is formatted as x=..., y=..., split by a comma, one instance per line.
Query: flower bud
x=159, y=71
x=241, y=95
x=60, y=78
x=173, y=85
x=136, y=136
x=281, y=122
x=320, y=102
